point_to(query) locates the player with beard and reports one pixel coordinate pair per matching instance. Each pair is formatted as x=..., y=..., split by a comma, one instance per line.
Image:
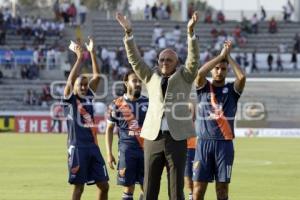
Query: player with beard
x=215, y=124
x=128, y=113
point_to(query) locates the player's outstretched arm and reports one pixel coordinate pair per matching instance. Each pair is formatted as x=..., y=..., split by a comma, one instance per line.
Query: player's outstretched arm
x=192, y=61
x=136, y=61
x=240, y=80
x=108, y=143
x=96, y=71
x=208, y=66
x=74, y=71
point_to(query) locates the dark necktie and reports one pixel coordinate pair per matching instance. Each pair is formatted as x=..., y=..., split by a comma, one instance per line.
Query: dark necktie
x=164, y=85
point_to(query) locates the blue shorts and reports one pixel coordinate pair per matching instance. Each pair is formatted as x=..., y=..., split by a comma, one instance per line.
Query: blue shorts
x=132, y=161
x=86, y=165
x=213, y=161
x=190, y=155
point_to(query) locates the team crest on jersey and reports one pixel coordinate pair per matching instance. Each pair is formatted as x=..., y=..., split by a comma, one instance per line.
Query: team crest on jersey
x=225, y=90
x=144, y=108
x=134, y=128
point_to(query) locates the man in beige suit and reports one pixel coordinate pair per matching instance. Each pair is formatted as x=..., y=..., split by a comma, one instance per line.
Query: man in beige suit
x=168, y=122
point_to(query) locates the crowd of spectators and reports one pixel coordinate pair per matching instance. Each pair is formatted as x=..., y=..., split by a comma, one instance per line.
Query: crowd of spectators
x=43, y=97
x=38, y=38
x=69, y=13
x=38, y=58
x=32, y=97
x=209, y=18
x=287, y=11
x=115, y=62
x=158, y=12
x=273, y=61
x=28, y=27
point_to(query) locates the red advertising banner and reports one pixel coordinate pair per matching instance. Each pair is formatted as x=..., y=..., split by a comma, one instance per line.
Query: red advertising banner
x=32, y=124
x=44, y=124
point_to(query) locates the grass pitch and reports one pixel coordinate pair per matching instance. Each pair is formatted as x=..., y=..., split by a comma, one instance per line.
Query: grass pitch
x=34, y=167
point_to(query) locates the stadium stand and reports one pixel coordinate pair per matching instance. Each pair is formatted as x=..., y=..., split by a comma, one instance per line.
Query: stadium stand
x=276, y=99
x=108, y=33
x=17, y=42
x=279, y=98
x=14, y=90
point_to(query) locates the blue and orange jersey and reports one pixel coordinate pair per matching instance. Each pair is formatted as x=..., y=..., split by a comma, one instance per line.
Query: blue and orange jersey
x=82, y=130
x=129, y=117
x=216, y=111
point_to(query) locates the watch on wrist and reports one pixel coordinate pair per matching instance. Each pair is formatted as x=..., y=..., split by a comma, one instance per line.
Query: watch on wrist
x=128, y=31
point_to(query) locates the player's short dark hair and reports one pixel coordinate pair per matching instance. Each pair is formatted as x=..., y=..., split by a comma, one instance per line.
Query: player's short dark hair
x=125, y=79
x=224, y=61
x=216, y=53
x=127, y=74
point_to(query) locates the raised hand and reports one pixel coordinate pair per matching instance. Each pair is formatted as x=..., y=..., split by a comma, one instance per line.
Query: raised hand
x=90, y=46
x=226, y=49
x=229, y=46
x=124, y=22
x=78, y=51
x=192, y=22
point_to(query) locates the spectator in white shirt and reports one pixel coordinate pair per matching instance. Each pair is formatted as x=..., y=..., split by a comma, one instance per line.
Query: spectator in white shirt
x=157, y=31
x=254, y=23
x=176, y=33
x=161, y=41
x=82, y=10
x=147, y=12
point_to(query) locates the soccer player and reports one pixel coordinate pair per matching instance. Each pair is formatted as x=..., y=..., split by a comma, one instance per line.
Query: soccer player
x=215, y=124
x=128, y=113
x=86, y=165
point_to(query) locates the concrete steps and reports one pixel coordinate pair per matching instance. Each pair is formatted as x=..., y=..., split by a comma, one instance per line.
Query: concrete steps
x=109, y=33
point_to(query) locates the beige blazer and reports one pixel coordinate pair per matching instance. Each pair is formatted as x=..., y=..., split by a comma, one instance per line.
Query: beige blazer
x=175, y=103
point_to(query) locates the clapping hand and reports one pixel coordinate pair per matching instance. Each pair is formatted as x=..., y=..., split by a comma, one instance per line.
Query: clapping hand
x=78, y=51
x=90, y=46
x=226, y=49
